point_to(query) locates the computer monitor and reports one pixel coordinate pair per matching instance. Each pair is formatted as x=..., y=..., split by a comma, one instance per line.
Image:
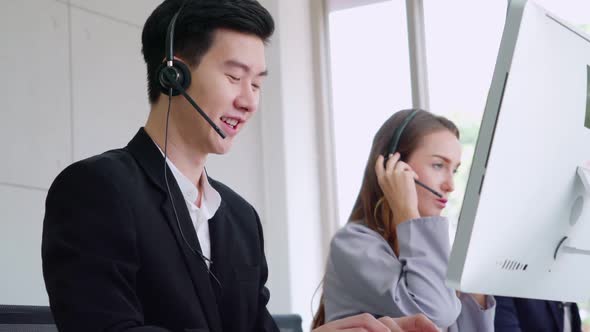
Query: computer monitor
x=524, y=227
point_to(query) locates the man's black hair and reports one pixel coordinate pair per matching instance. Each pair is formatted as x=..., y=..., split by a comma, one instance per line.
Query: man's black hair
x=194, y=30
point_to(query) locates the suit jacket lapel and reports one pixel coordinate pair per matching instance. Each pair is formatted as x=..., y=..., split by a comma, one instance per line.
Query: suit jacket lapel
x=152, y=161
x=220, y=233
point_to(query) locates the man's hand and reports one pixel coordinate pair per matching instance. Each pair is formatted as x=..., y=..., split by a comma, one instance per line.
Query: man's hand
x=368, y=323
x=416, y=323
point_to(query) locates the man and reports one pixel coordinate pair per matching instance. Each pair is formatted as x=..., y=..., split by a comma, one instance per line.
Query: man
x=524, y=315
x=128, y=247
x=134, y=241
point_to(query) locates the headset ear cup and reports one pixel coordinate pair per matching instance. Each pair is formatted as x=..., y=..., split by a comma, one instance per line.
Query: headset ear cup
x=185, y=74
x=180, y=71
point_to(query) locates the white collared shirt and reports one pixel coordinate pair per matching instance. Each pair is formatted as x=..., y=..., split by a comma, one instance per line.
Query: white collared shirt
x=567, y=318
x=210, y=202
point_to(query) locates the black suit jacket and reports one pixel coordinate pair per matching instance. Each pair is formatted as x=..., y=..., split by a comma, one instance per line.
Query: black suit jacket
x=114, y=259
x=526, y=315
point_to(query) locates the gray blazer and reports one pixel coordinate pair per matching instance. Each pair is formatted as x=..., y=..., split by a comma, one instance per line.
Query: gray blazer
x=363, y=274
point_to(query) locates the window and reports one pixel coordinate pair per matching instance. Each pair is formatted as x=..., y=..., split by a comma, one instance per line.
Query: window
x=462, y=42
x=370, y=79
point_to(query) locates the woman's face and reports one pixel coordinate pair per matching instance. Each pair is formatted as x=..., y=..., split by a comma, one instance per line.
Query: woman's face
x=435, y=160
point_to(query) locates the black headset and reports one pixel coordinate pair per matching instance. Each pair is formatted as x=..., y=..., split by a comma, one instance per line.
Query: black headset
x=175, y=77
x=397, y=133
x=394, y=144
x=173, y=72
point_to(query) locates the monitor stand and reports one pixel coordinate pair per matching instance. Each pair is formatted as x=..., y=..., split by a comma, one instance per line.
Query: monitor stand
x=579, y=240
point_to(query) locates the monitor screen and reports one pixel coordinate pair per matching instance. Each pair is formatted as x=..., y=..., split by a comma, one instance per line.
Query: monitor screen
x=524, y=227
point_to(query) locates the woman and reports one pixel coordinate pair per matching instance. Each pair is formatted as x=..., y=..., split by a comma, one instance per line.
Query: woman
x=391, y=258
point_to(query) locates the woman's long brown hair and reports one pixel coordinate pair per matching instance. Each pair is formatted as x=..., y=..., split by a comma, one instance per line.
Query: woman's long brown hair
x=371, y=209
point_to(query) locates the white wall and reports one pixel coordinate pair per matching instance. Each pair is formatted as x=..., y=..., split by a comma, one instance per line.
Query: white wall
x=34, y=128
x=300, y=152
x=77, y=88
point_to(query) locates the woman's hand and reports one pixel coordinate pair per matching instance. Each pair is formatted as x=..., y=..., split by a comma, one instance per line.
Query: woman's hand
x=396, y=180
x=480, y=299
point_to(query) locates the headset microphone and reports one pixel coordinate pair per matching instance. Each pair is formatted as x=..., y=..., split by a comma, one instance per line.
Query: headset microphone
x=171, y=78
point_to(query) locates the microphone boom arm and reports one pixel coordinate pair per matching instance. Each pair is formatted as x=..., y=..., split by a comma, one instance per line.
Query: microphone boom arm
x=178, y=87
